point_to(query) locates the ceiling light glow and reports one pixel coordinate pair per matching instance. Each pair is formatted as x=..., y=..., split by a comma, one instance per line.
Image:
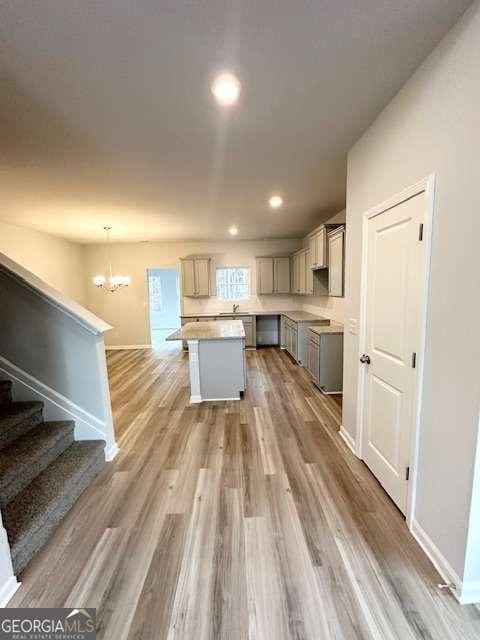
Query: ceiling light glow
x=275, y=201
x=226, y=89
x=233, y=230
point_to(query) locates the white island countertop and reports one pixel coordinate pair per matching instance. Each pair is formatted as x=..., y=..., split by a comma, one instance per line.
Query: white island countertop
x=218, y=330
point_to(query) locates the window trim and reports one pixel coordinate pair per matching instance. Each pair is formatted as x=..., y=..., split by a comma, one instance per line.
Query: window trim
x=249, y=282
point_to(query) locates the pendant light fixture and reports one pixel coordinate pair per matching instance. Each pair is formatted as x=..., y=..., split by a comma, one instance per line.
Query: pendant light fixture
x=112, y=283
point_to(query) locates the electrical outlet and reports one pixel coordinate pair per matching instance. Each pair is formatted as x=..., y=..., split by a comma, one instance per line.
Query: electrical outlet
x=353, y=326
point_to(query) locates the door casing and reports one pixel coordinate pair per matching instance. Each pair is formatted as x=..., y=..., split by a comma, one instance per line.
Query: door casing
x=427, y=186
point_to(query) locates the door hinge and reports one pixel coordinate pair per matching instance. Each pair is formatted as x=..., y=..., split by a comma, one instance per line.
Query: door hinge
x=414, y=360
x=407, y=473
x=420, y=232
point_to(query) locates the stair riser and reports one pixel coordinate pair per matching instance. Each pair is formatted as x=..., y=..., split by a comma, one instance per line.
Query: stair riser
x=27, y=548
x=20, y=429
x=14, y=487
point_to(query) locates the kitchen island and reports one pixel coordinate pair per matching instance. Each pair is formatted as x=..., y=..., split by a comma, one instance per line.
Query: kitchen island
x=216, y=354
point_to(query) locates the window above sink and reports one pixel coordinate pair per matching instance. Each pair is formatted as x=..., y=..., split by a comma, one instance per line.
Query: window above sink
x=233, y=283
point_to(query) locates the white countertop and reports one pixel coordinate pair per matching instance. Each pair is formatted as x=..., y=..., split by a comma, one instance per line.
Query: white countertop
x=218, y=330
x=333, y=327
x=296, y=315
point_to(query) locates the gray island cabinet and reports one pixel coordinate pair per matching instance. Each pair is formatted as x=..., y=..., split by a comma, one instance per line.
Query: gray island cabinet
x=216, y=353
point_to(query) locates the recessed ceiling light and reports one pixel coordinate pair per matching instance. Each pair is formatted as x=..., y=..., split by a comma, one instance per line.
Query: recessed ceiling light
x=233, y=230
x=226, y=89
x=275, y=202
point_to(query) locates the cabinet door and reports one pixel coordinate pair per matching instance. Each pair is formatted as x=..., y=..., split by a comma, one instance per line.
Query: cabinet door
x=297, y=275
x=321, y=248
x=264, y=276
x=302, y=273
x=249, y=334
x=283, y=332
x=309, y=274
x=281, y=275
x=188, y=277
x=314, y=359
x=312, y=252
x=294, y=350
x=202, y=277
x=335, y=260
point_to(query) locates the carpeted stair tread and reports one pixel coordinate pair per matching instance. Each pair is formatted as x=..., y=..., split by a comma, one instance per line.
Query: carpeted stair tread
x=16, y=418
x=5, y=391
x=27, y=456
x=35, y=512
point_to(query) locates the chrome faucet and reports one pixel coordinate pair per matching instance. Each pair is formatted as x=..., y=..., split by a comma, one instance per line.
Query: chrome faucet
x=236, y=307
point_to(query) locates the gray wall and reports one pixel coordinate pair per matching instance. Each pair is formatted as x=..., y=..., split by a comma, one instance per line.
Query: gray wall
x=50, y=346
x=433, y=126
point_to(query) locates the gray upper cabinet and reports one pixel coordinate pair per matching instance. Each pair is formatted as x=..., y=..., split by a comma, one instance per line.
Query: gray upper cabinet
x=264, y=276
x=202, y=276
x=188, y=277
x=299, y=279
x=336, y=241
x=273, y=275
x=281, y=275
x=309, y=275
x=317, y=244
x=196, y=277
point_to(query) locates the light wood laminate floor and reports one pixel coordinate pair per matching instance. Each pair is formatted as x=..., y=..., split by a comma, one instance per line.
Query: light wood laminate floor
x=240, y=520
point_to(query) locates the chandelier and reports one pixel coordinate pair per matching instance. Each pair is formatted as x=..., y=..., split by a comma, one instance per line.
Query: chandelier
x=112, y=283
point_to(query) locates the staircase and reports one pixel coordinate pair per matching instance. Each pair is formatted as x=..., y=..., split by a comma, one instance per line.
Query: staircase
x=43, y=471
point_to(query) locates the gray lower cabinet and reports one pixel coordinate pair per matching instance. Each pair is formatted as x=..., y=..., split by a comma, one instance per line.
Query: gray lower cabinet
x=313, y=364
x=325, y=361
x=296, y=338
x=290, y=331
x=283, y=332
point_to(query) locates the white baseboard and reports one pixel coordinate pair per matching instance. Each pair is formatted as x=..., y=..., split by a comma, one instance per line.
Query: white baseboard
x=121, y=347
x=111, y=452
x=438, y=560
x=56, y=406
x=347, y=438
x=195, y=399
x=7, y=590
x=464, y=592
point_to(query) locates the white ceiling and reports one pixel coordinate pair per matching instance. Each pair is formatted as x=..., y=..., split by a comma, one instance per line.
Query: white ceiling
x=106, y=115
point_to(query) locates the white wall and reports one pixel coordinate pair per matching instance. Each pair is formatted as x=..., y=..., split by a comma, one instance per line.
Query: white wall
x=433, y=126
x=58, y=262
x=127, y=310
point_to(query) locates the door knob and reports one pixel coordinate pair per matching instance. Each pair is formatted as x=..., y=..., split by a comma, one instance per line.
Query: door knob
x=365, y=359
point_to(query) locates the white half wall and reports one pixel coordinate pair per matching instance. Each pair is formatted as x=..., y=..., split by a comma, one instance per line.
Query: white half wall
x=433, y=126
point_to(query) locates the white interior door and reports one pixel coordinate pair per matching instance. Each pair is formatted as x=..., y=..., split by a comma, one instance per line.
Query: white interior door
x=395, y=263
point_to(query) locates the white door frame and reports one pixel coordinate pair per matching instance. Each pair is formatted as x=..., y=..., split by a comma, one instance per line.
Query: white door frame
x=427, y=186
